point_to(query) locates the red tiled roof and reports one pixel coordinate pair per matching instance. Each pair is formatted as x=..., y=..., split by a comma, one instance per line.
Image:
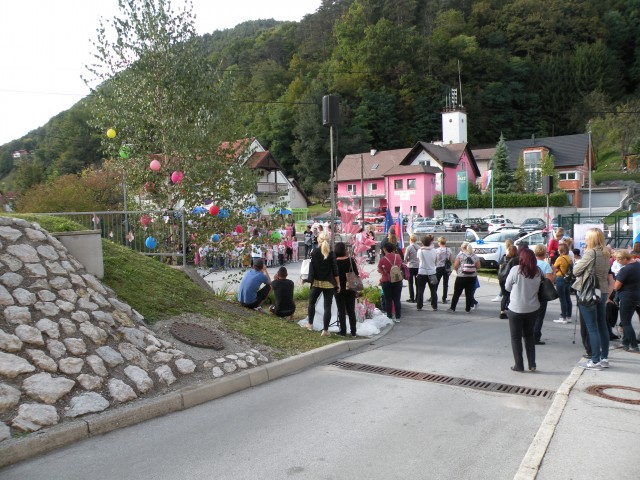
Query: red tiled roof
x=350, y=166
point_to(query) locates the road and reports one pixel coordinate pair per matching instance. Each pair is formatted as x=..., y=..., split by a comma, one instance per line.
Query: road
x=328, y=422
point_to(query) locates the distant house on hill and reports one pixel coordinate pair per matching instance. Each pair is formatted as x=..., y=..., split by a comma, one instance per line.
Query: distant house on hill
x=407, y=179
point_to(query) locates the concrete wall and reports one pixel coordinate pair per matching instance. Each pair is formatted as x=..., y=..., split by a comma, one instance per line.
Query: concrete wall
x=86, y=247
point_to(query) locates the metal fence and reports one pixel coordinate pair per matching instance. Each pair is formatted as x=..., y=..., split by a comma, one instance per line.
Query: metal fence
x=155, y=233
x=617, y=230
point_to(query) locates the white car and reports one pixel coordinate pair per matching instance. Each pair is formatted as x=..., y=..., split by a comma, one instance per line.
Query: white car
x=488, y=218
x=497, y=223
x=491, y=248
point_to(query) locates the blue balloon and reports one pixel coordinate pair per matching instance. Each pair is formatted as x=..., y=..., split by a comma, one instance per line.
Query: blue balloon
x=151, y=243
x=215, y=237
x=223, y=213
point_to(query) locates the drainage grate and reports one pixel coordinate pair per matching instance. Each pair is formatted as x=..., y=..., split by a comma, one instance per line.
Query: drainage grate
x=444, y=379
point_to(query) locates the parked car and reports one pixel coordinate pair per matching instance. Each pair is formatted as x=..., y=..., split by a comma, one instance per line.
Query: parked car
x=491, y=248
x=453, y=225
x=493, y=216
x=531, y=224
x=498, y=223
x=429, y=226
x=477, y=224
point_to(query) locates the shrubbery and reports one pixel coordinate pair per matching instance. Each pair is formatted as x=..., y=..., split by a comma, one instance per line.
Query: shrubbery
x=508, y=200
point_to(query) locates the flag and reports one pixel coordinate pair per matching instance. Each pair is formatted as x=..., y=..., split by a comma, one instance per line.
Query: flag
x=388, y=220
x=438, y=182
x=399, y=230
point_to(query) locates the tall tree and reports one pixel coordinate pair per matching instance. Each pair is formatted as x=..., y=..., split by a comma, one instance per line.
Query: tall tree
x=501, y=169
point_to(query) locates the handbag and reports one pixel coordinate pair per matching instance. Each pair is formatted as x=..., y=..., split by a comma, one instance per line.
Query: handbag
x=354, y=282
x=405, y=271
x=433, y=280
x=547, y=292
x=305, y=270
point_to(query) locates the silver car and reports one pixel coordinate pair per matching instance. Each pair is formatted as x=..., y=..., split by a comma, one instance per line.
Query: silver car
x=429, y=226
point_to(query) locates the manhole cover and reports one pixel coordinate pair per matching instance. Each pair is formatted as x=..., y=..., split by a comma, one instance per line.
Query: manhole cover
x=598, y=390
x=196, y=335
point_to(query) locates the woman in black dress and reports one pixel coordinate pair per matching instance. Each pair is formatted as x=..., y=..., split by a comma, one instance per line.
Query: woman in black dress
x=346, y=299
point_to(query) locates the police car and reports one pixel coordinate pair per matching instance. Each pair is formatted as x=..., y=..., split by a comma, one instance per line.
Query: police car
x=491, y=248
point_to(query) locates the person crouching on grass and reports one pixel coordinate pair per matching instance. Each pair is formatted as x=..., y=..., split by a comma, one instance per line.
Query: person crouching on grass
x=285, y=305
x=250, y=295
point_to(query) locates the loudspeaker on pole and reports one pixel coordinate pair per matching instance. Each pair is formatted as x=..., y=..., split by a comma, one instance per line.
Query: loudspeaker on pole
x=330, y=110
x=547, y=184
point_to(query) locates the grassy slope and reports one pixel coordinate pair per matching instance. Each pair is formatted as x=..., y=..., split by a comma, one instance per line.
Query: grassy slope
x=159, y=291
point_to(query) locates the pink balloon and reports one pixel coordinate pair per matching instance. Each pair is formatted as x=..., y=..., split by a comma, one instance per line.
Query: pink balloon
x=145, y=220
x=238, y=228
x=214, y=210
x=177, y=176
x=154, y=165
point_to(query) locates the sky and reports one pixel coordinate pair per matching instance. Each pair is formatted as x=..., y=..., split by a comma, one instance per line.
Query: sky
x=45, y=44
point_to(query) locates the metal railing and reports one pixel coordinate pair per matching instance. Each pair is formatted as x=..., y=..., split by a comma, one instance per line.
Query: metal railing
x=154, y=233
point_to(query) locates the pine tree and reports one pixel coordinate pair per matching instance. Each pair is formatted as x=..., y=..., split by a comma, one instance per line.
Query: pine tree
x=503, y=177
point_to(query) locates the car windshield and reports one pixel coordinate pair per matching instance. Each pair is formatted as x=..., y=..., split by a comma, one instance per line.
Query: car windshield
x=500, y=236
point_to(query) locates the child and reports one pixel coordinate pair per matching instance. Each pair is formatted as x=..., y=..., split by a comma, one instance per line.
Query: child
x=289, y=249
x=269, y=257
x=281, y=251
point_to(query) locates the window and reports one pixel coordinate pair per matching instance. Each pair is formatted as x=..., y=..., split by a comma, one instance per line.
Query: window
x=411, y=184
x=426, y=163
x=397, y=184
x=375, y=166
x=351, y=188
x=533, y=170
x=373, y=187
x=568, y=176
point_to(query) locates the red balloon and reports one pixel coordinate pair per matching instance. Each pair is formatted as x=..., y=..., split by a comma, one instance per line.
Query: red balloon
x=145, y=220
x=238, y=228
x=214, y=210
x=177, y=176
x=154, y=165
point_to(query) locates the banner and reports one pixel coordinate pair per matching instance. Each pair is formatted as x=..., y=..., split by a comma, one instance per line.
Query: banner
x=636, y=228
x=579, y=230
x=438, y=182
x=463, y=185
x=399, y=231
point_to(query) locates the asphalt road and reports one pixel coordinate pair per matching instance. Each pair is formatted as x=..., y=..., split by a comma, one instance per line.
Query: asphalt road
x=330, y=423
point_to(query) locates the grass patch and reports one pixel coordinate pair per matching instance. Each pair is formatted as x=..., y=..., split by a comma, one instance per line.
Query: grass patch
x=49, y=222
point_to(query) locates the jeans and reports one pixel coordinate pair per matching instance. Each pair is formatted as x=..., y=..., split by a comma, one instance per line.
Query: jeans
x=423, y=281
x=564, y=294
x=346, y=300
x=468, y=284
x=521, y=328
x=413, y=274
x=627, y=309
x=595, y=318
x=392, y=293
x=442, y=273
x=314, y=294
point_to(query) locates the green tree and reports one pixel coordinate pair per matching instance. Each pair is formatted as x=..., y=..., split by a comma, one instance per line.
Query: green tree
x=548, y=166
x=520, y=176
x=501, y=169
x=163, y=99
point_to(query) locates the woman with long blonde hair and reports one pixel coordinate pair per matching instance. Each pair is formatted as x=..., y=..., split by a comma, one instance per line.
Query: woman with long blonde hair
x=324, y=279
x=595, y=261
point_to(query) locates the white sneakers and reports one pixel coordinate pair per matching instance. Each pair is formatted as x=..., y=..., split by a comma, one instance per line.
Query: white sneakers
x=497, y=299
x=564, y=321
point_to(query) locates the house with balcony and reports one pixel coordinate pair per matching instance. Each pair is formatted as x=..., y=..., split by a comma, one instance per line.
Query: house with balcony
x=273, y=187
x=407, y=179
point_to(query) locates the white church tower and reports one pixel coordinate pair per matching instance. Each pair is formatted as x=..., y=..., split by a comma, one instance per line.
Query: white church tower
x=454, y=120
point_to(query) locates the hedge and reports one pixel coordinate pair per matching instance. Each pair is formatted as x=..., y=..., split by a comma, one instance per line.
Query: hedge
x=508, y=200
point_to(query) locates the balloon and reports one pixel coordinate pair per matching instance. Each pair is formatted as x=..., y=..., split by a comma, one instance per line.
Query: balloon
x=154, y=165
x=145, y=220
x=207, y=201
x=223, y=213
x=214, y=210
x=215, y=237
x=275, y=235
x=125, y=151
x=177, y=176
x=151, y=243
x=238, y=228
x=111, y=133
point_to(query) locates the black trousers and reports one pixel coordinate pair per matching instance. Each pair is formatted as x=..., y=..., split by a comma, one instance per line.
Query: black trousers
x=423, y=281
x=468, y=284
x=521, y=328
x=537, y=328
x=327, y=294
x=346, y=301
x=413, y=274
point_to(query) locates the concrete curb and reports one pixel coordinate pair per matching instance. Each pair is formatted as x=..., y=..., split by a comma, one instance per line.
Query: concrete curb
x=19, y=449
x=532, y=460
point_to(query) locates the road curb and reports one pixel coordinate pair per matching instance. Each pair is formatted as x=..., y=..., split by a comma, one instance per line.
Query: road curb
x=532, y=460
x=16, y=450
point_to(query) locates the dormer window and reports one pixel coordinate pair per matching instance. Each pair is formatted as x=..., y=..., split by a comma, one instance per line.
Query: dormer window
x=375, y=166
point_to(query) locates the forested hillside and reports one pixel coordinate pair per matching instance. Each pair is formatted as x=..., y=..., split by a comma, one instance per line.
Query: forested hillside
x=543, y=67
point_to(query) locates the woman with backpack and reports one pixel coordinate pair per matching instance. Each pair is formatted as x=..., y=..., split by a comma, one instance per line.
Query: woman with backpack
x=509, y=260
x=466, y=265
x=562, y=270
x=444, y=263
x=390, y=269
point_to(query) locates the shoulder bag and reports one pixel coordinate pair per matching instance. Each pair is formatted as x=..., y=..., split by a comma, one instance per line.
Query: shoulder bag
x=589, y=294
x=354, y=282
x=547, y=291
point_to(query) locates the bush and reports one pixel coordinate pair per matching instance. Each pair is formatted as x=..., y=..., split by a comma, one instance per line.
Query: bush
x=502, y=200
x=372, y=294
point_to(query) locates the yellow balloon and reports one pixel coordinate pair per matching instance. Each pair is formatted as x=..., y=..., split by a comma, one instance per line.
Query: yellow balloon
x=111, y=133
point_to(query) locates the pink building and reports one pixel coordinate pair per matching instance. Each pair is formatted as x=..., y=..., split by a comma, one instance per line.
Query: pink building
x=407, y=179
